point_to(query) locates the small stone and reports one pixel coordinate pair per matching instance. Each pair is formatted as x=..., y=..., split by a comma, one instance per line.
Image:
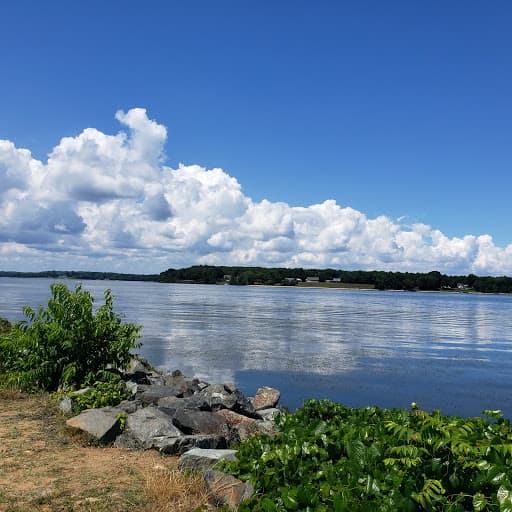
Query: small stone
x=66, y=405
x=131, y=387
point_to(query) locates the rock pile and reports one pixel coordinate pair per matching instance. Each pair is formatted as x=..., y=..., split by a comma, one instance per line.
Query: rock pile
x=173, y=413
x=179, y=415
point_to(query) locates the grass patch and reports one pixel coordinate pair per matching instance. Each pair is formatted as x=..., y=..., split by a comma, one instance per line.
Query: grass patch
x=174, y=491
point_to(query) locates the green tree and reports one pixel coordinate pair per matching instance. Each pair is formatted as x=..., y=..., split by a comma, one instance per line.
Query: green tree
x=65, y=343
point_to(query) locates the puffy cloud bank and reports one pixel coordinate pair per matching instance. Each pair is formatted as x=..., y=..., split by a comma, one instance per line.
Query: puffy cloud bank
x=107, y=202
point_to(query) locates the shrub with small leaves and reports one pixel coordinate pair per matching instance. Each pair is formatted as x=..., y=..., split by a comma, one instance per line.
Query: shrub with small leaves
x=64, y=343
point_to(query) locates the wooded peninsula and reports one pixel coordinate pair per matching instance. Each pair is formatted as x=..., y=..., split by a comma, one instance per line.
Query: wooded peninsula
x=374, y=279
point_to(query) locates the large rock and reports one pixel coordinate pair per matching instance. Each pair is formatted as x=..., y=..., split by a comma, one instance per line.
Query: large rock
x=266, y=398
x=219, y=397
x=179, y=387
x=102, y=424
x=171, y=404
x=150, y=426
x=152, y=394
x=199, y=458
x=200, y=422
x=240, y=426
x=226, y=489
x=179, y=445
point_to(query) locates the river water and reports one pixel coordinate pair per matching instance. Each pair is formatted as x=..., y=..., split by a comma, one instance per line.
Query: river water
x=445, y=351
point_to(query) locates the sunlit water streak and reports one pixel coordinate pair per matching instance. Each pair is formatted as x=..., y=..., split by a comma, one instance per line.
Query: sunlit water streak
x=447, y=351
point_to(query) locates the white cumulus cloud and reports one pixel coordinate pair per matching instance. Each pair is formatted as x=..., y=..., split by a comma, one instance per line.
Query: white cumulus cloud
x=108, y=202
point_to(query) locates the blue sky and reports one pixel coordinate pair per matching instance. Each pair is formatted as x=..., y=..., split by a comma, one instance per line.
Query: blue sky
x=396, y=109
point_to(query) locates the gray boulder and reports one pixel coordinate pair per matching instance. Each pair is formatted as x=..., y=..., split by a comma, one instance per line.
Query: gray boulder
x=173, y=403
x=226, y=489
x=200, y=422
x=149, y=426
x=179, y=387
x=199, y=458
x=179, y=445
x=152, y=394
x=219, y=397
x=102, y=424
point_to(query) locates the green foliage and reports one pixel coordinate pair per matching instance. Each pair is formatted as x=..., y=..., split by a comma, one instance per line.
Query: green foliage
x=381, y=280
x=329, y=457
x=82, y=275
x=65, y=343
x=104, y=391
x=122, y=416
x=5, y=326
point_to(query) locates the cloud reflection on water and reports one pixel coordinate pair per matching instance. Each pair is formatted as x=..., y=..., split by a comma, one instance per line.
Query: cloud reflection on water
x=451, y=351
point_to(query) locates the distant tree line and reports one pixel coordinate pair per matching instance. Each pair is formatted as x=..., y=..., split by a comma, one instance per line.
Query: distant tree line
x=84, y=275
x=381, y=280
x=208, y=274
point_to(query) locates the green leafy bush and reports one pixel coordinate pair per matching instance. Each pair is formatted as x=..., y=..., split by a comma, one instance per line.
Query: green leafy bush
x=107, y=390
x=329, y=457
x=65, y=343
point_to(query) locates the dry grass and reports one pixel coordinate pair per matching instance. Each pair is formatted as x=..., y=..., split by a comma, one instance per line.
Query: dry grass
x=44, y=467
x=170, y=490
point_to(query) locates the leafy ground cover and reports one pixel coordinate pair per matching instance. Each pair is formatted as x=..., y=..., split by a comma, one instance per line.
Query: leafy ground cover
x=329, y=457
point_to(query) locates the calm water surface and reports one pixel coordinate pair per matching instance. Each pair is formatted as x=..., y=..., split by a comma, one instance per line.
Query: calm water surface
x=445, y=351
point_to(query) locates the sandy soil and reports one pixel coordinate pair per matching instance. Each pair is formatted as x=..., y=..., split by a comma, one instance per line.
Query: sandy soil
x=45, y=467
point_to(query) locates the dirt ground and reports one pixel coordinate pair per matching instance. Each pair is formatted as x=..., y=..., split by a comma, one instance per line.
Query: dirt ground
x=45, y=467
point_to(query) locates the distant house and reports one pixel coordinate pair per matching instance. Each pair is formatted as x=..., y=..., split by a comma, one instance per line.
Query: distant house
x=462, y=286
x=336, y=280
x=312, y=279
x=227, y=277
